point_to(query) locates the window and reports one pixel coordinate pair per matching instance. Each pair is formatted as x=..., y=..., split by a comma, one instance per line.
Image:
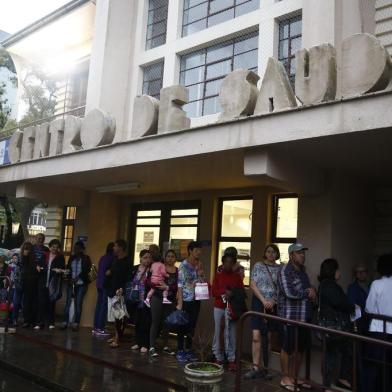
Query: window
x=37, y=221
x=235, y=229
x=200, y=14
x=203, y=71
x=290, y=40
x=78, y=87
x=69, y=217
x=170, y=225
x=156, y=23
x=284, y=222
x=153, y=79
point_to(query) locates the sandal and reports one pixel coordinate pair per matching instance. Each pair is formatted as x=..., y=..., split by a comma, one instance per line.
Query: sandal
x=143, y=350
x=288, y=387
x=135, y=347
x=304, y=385
x=114, y=345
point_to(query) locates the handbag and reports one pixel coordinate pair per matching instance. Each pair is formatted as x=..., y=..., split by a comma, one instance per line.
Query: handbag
x=177, y=321
x=92, y=274
x=133, y=294
x=202, y=291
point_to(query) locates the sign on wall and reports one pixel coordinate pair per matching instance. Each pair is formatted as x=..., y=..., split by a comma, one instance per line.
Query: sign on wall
x=4, y=158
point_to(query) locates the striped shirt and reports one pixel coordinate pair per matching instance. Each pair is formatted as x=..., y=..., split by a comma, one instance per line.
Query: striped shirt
x=293, y=301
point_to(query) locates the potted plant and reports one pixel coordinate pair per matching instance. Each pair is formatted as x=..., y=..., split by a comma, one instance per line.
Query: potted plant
x=203, y=376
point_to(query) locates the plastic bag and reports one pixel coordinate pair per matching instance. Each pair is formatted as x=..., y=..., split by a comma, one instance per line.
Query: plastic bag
x=116, y=308
x=202, y=291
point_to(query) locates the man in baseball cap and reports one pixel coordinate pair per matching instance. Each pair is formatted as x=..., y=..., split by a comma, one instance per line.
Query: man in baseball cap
x=296, y=247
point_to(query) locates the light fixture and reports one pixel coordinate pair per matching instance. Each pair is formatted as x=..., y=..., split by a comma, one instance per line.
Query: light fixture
x=128, y=186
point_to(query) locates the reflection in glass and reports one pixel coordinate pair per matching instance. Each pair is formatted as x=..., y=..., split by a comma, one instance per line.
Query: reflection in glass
x=237, y=218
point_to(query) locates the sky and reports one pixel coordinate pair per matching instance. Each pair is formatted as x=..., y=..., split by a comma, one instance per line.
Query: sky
x=17, y=14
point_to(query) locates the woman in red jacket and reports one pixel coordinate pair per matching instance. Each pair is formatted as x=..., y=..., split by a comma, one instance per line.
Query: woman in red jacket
x=225, y=284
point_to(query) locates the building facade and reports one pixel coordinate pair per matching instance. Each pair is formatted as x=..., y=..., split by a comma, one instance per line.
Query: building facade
x=318, y=173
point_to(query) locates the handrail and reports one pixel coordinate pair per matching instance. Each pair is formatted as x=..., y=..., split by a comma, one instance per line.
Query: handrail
x=312, y=327
x=8, y=316
x=6, y=134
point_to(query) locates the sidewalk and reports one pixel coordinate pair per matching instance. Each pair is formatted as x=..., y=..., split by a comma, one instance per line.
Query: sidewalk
x=76, y=361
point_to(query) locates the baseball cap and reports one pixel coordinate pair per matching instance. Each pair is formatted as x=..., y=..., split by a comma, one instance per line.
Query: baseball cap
x=296, y=247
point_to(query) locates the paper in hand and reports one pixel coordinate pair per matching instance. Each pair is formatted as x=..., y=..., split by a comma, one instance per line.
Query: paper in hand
x=356, y=315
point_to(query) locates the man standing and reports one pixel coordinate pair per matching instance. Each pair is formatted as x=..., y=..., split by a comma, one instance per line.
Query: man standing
x=39, y=248
x=294, y=303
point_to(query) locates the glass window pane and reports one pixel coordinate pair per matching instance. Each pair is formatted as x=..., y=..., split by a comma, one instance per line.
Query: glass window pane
x=193, y=109
x=194, y=27
x=218, y=69
x=157, y=3
x=284, y=49
x=236, y=218
x=71, y=212
x=145, y=236
x=148, y=221
x=157, y=41
x=193, y=60
x=283, y=30
x=211, y=106
x=246, y=60
x=221, y=17
x=296, y=44
x=191, y=211
x=180, y=237
x=296, y=28
x=192, y=3
x=219, y=52
x=156, y=29
x=245, y=45
x=243, y=249
x=195, y=92
x=246, y=7
x=149, y=213
x=195, y=13
x=219, y=5
x=193, y=76
x=184, y=221
x=284, y=252
x=212, y=88
x=287, y=217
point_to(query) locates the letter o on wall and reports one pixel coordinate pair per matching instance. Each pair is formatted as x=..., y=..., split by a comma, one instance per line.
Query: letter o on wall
x=98, y=129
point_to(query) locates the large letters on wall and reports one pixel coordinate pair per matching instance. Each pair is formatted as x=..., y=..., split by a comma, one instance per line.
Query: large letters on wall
x=366, y=67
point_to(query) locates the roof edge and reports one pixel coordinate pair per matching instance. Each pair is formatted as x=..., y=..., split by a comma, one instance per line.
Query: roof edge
x=65, y=9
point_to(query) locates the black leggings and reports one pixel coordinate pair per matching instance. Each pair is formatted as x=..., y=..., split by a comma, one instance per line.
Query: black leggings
x=159, y=312
x=193, y=309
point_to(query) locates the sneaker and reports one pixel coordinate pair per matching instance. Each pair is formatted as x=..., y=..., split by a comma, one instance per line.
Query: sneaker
x=232, y=367
x=166, y=301
x=52, y=327
x=37, y=328
x=191, y=357
x=254, y=373
x=100, y=332
x=181, y=356
x=147, y=302
x=152, y=352
x=167, y=350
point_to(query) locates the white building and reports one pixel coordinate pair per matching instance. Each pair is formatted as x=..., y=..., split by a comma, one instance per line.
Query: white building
x=319, y=174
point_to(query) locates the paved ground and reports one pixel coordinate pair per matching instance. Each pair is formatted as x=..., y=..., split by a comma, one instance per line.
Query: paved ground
x=69, y=361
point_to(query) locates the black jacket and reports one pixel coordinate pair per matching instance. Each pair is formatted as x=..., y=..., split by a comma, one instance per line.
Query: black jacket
x=86, y=266
x=334, y=304
x=58, y=262
x=120, y=275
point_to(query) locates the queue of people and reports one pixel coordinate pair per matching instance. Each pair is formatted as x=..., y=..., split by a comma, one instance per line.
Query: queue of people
x=149, y=291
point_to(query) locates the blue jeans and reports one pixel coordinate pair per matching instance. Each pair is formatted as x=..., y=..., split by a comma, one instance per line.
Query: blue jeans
x=101, y=310
x=17, y=303
x=79, y=293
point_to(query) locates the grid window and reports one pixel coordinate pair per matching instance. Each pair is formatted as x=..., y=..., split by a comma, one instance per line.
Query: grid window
x=200, y=14
x=203, y=71
x=69, y=217
x=290, y=40
x=156, y=23
x=284, y=222
x=152, y=79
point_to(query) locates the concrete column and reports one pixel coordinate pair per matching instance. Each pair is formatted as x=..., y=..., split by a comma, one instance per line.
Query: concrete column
x=268, y=44
x=54, y=219
x=110, y=63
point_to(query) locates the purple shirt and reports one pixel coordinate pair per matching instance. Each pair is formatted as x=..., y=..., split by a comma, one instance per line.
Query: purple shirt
x=104, y=264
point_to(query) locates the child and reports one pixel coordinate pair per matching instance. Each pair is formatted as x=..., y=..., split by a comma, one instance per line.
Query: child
x=158, y=275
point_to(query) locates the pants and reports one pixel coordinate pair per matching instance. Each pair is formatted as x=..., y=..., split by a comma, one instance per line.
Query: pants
x=229, y=336
x=142, y=326
x=334, y=348
x=30, y=299
x=193, y=309
x=78, y=291
x=375, y=371
x=159, y=312
x=46, y=307
x=101, y=310
x=17, y=303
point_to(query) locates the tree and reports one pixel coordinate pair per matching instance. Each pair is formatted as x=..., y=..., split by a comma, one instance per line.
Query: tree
x=5, y=110
x=7, y=67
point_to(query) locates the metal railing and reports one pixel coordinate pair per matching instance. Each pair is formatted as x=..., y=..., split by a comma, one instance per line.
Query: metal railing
x=324, y=332
x=78, y=112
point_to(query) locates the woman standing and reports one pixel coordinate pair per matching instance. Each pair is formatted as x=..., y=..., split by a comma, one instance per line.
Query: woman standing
x=264, y=285
x=379, y=302
x=50, y=267
x=160, y=311
x=29, y=284
x=101, y=309
x=142, y=316
x=334, y=311
x=79, y=266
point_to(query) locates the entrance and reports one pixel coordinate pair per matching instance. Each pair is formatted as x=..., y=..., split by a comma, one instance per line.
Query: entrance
x=170, y=225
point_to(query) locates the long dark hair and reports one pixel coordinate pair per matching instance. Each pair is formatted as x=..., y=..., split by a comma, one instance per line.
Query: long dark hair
x=275, y=248
x=27, y=246
x=328, y=269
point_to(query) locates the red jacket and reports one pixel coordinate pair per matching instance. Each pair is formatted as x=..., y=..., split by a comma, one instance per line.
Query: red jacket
x=225, y=281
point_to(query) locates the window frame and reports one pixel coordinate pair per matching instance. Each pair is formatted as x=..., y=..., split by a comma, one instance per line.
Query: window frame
x=274, y=218
x=145, y=68
x=152, y=9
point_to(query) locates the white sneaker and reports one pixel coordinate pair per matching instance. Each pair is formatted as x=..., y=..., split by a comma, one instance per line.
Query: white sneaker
x=147, y=302
x=51, y=327
x=37, y=328
x=166, y=301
